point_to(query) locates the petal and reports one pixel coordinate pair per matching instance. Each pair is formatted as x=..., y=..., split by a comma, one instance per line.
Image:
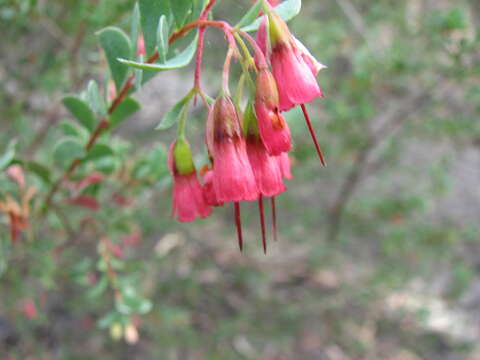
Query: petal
x=265, y=168
x=296, y=82
x=274, y=130
x=233, y=179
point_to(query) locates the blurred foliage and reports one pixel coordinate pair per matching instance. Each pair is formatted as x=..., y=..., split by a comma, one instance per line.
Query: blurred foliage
x=373, y=250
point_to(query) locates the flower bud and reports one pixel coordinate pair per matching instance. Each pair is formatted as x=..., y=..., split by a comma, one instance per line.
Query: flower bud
x=182, y=157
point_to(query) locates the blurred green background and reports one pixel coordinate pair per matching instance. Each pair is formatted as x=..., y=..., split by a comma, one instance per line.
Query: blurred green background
x=378, y=254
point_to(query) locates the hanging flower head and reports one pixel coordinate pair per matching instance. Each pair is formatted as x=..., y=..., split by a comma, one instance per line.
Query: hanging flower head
x=188, y=201
x=232, y=177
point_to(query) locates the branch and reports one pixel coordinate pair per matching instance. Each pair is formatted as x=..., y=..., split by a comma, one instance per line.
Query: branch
x=104, y=124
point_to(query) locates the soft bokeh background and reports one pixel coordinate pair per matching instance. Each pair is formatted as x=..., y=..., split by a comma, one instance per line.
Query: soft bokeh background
x=378, y=255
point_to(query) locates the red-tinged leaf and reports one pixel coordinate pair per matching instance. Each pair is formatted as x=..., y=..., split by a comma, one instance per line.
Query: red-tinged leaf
x=85, y=201
x=132, y=239
x=90, y=179
x=115, y=249
x=122, y=200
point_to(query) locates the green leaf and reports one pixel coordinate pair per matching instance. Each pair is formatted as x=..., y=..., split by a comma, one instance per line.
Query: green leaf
x=116, y=44
x=111, y=318
x=251, y=15
x=179, y=61
x=67, y=150
x=40, y=170
x=94, y=99
x=7, y=157
x=173, y=115
x=99, y=151
x=81, y=111
x=198, y=6
x=286, y=10
x=5, y=244
x=126, y=108
x=162, y=38
x=150, y=11
x=74, y=130
x=181, y=9
x=131, y=303
x=99, y=288
x=135, y=27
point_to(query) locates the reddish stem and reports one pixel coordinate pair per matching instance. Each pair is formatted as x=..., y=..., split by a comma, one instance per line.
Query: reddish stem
x=312, y=133
x=262, y=223
x=238, y=224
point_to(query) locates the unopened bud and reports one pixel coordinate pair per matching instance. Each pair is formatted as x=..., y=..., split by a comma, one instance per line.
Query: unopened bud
x=116, y=331
x=182, y=157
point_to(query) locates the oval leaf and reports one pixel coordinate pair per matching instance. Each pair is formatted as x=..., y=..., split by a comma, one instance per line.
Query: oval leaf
x=134, y=28
x=94, y=99
x=173, y=115
x=7, y=157
x=98, y=151
x=67, y=150
x=251, y=15
x=286, y=10
x=126, y=108
x=162, y=38
x=179, y=61
x=116, y=44
x=80, y=110
x=150, y=11
x=181, y=9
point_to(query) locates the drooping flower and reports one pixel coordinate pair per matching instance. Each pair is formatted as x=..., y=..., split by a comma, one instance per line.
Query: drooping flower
x=294, y=68
x=208, y=191
x=274, y=130
x=232, y=178
x=283, y=162
x=188, y=202
x=265, y=167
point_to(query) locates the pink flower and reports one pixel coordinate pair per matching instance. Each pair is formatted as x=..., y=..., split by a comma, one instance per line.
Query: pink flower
x=188, y=202
x=274, y=130
x=233, y=179
x=208, y=191
x=265, y=168
x=283, y=163
x=294, y=68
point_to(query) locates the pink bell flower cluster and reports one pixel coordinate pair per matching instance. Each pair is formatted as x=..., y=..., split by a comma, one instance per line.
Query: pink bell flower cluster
x=248, y=150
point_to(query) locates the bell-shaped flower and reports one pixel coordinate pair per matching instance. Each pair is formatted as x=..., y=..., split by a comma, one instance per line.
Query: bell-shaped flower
x=266, y=170
x=232, y=178
x=273, y=128
x=293, y=67
x=188, y=201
